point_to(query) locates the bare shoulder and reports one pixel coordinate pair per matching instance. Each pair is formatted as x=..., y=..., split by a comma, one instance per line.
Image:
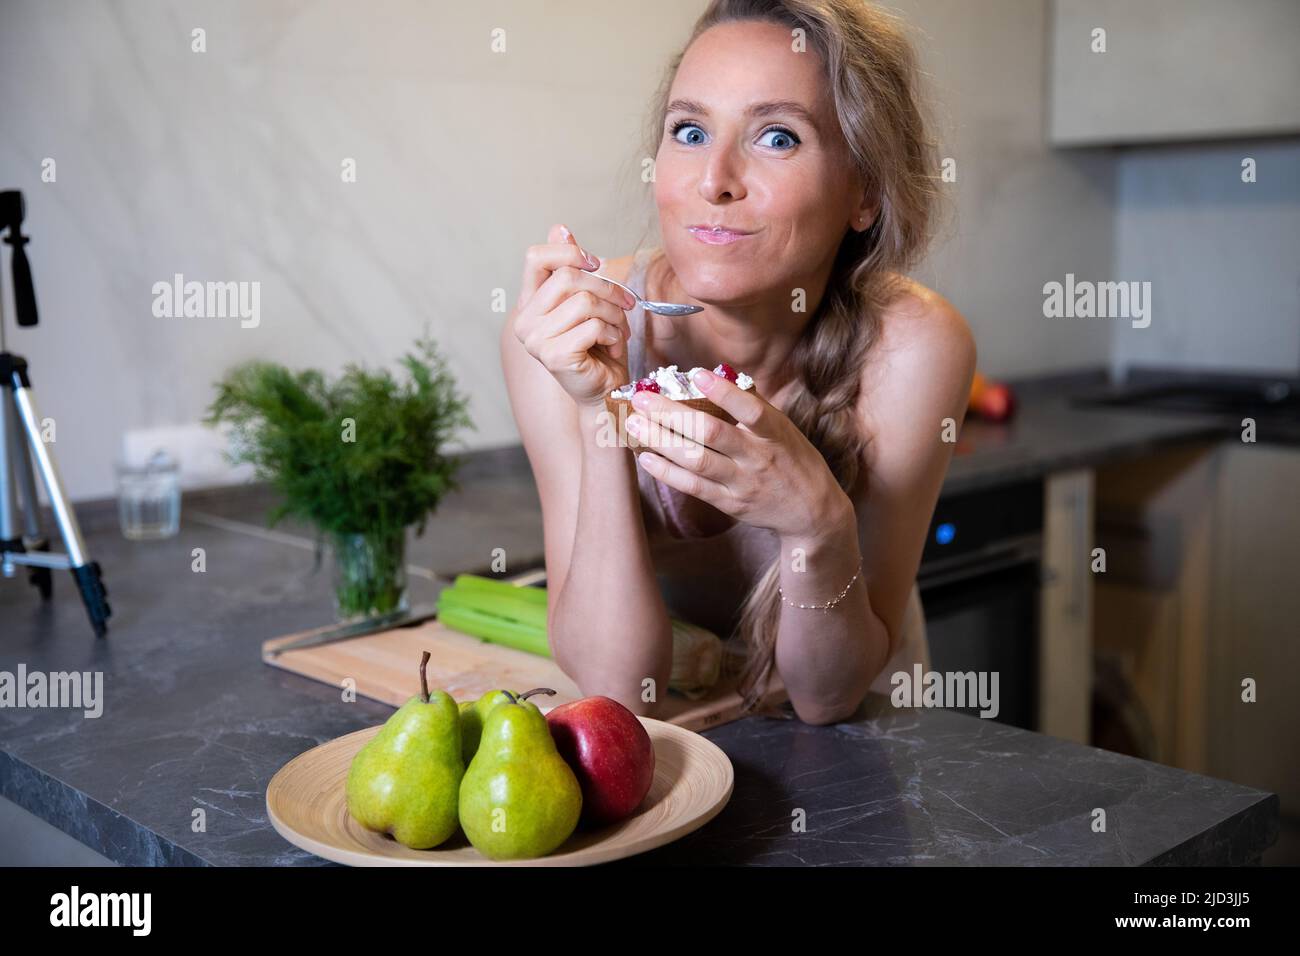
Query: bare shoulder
x=921, y=319
x=924, y=356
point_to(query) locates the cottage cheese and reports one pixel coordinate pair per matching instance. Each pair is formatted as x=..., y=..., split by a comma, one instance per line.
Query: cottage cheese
x=676, y=385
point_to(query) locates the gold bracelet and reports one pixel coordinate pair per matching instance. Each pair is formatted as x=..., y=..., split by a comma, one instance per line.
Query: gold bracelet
x=831, y=604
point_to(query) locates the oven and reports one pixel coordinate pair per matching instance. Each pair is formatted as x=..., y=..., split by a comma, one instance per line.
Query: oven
x=979, y=582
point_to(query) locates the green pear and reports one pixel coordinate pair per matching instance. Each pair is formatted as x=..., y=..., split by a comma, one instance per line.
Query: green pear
x=406, y=779
x=474, y=713
x=518, y=798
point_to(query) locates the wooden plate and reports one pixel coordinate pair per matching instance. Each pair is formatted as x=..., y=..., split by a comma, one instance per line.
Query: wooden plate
x=307, y=804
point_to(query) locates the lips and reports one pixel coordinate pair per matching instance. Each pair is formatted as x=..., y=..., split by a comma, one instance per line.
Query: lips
x=718, y=227
x=716, y=235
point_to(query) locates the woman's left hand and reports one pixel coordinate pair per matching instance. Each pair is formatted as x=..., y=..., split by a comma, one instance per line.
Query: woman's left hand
x=762, y=471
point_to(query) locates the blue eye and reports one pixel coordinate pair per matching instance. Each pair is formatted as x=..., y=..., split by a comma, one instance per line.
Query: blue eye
x=786, y=134
x=678, y=127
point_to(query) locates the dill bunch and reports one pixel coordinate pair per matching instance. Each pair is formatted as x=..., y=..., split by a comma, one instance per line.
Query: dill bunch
x=364, y=454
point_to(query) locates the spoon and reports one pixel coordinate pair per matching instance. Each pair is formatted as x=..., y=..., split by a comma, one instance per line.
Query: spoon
x=661, y=308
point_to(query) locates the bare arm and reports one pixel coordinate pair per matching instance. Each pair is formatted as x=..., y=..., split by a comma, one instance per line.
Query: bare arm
x=610, y=628
x=607, y=624
x=921, y=375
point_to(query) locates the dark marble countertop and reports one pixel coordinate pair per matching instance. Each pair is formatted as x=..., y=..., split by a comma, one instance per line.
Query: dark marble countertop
x=1053, y=430
x=192, y=719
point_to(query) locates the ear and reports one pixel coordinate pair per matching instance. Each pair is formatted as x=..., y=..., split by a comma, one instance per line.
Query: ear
x=865, y=215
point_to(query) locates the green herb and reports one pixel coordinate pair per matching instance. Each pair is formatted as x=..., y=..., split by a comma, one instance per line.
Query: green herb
x=360, y=455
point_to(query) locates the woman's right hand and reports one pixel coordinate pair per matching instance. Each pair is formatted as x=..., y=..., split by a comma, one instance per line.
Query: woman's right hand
x=571, y=321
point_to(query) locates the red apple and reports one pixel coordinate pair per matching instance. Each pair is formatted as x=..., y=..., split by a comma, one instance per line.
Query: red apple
x=997, y=403
x=610, y=753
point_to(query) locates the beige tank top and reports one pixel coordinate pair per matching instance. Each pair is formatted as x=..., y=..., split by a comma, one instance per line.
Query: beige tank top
x=705, y=578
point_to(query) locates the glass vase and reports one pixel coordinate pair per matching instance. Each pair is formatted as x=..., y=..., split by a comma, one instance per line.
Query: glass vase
x=369, y=575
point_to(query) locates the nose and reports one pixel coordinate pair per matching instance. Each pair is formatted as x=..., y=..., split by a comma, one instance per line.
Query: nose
x=723, y=174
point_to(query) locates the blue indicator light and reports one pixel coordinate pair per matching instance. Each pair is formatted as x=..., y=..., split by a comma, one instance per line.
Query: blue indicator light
x=945, y=532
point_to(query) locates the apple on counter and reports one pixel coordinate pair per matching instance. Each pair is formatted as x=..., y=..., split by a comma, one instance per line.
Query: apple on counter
x=991, y=401
x=610, y=753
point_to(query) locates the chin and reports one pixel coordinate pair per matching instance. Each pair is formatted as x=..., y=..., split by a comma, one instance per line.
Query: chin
x=710, y=282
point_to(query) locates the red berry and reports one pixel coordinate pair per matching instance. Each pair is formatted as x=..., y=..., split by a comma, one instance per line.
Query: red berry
x=726, y=371
x=647, y=385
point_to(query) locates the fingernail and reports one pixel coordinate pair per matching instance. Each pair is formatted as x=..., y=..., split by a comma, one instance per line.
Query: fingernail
x=640, y=400
x=703, y=378
x=592, y=261
x=630, y=299
x=634, y=423
x=565, y=235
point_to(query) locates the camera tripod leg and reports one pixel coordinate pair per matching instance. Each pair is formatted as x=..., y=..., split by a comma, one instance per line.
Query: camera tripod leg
x=39, y=577
x=22, y=464
x=86, y=573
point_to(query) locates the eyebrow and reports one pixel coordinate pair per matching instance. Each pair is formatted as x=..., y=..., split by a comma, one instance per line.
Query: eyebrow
x=758, y=109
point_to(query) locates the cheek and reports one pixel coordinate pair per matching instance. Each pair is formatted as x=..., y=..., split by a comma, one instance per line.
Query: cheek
x=671, y=181
x=794, y=198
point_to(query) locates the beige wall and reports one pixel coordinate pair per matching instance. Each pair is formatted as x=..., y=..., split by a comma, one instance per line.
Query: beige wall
x=1023, y=214
x=225, y=165
x=1222, y=255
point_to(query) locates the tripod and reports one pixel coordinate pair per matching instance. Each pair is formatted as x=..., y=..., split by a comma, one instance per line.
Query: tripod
x=20, y=441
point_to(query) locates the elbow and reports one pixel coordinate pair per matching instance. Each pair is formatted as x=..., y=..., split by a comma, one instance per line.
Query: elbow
x=836, y=704
x=606, y=669
x=629, y=691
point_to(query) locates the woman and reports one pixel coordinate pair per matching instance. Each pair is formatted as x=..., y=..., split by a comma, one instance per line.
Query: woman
x=794, y=123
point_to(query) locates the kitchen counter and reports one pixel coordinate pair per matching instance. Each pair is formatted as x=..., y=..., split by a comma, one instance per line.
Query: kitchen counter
x=1051, y=432
x=192, y=720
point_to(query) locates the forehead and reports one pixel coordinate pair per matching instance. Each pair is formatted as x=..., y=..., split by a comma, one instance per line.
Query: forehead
x=732, y=65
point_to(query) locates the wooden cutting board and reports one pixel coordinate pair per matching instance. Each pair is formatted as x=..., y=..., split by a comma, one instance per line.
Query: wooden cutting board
x=385, y=667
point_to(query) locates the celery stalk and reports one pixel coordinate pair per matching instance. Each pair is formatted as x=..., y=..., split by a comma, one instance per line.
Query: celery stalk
x=510, y=608
x=497, y=630
x=478, y=583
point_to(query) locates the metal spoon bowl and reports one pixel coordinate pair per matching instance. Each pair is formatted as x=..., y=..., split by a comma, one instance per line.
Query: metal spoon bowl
x=660, y=308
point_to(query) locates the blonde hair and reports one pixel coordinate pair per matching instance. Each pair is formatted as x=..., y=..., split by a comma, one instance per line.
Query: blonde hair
x=872, y=75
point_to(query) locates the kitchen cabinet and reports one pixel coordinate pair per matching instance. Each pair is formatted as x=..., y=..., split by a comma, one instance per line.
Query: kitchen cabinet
x=1173, y=70
x=1255, y=609
x=1155, y=523
x=1200, y=593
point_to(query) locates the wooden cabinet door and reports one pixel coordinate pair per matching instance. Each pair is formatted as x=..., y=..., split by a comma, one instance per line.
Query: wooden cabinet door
x=1255, y=611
